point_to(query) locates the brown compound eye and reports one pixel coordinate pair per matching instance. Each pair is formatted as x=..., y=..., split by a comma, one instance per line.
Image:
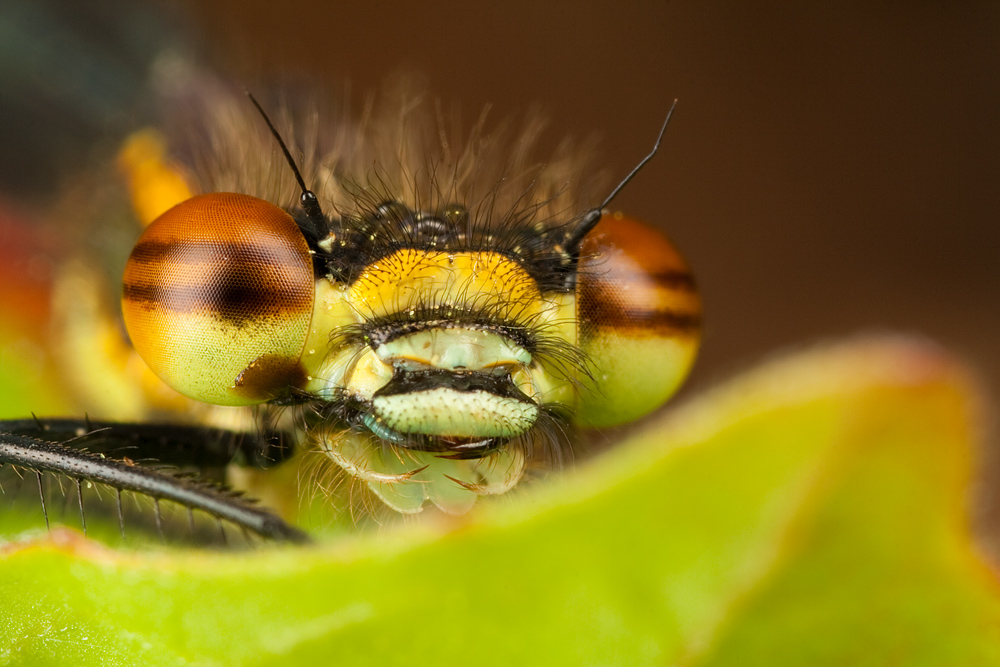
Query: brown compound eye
x=218, y=299
x=639, y=315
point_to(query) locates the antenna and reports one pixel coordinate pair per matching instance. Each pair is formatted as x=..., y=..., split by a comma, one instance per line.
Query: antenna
x=590, y=219
x=308, y=201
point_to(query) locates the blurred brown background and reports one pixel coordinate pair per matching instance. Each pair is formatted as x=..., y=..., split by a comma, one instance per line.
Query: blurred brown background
x=830, y=169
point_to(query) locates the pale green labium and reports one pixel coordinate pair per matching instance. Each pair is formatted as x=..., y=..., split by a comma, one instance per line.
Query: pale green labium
x=812, y=512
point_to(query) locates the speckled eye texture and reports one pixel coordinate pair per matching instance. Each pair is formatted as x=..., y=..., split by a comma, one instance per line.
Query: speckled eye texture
x=218, y=296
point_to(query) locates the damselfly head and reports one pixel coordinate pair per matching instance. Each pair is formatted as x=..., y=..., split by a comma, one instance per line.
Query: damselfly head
x=440, y=317
x=379, y=297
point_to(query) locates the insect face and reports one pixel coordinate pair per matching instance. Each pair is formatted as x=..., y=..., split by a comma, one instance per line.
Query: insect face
x=423, y=342
x=443, y=332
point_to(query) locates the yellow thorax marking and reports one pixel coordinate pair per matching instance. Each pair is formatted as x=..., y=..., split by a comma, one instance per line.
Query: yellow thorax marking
x=410, y=280
x=155, y=183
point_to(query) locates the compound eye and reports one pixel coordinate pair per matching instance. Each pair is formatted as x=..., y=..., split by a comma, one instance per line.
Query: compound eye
x=218, y=298
x=640, y=321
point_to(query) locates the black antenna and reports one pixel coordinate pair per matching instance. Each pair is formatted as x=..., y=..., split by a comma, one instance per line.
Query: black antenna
x=593, y=216
x=308, y=200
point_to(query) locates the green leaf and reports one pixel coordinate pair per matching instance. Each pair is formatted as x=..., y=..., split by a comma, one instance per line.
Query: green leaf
x=811, y=513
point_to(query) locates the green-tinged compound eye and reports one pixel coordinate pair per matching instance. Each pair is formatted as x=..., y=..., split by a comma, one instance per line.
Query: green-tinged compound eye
x=639, y=321
x=218, y=298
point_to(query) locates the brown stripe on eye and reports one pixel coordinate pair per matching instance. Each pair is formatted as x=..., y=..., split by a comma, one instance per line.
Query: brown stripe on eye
x=238, y=286
x=634, y=282
x=230, y=299
x=636, y=308
x=638, y=321
x=675, y=279
x=237, y=282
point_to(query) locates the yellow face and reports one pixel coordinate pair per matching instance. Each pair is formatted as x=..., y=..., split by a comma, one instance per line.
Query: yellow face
x=433, y=355
x=435, y=372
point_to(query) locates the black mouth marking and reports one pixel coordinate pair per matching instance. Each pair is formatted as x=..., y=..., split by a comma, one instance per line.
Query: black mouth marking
x=408, y=382
x=381, y=332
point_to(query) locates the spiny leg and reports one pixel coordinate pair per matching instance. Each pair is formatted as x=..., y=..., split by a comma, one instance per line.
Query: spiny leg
x=79, y=497
x=170, y=444
x=41, y=495
x=41, y=456
x=121, y=516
